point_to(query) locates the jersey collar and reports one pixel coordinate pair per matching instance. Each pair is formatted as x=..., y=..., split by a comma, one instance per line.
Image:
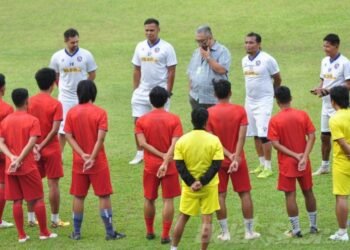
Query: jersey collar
x=152, y=45
x=69, y=54
x=252, y=58
x=335, y=58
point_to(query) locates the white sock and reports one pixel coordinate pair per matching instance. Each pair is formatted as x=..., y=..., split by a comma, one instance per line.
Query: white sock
x=262, y=160
x=267, y=165
x=295, y=224
x=139, y=153
x=325, y=164
x=312, y=218
x=223, y=225
x=248, y=223
x=173, y=248
x=342, y=231
x=55, y=218
x=31, y=216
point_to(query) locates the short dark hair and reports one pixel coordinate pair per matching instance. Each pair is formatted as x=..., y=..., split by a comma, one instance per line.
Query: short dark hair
x=199, y=117
x=222, y=88
x=332, y=39
x=150, y=21
x=258, y=38
x=19, y=97
x=70, y=33
x=45, y=78
x=158, y=96
x=340, y=95
x=86, y=91
x=283, y=95
x=2, y=80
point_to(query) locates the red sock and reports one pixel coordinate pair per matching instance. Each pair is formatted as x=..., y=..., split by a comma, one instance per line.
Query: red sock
x=166, y=229
x=149, y=225
x=2, y=202
x=40, y=213
x=18, y=216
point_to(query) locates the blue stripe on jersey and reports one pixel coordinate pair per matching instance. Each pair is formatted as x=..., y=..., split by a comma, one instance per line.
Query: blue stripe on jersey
x=335, y=58
x=152, y=45
x=71, y=55
x=252, y=58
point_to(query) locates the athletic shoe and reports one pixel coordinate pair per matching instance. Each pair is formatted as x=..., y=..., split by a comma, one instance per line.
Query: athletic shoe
x=314, y=230
x=258, y=170
x=165, y=240
x=115, y=236
x=74, y=236
x=5, y=224
x=321, y=170
x=224, y=236
x=251, y=236
x=137, y=159
x=59, y=223
x=290, y=234
x=150, y=236
x=265, y=173
x=22, y=240
x=33, y=223
x=48, y=236
x=338, y=237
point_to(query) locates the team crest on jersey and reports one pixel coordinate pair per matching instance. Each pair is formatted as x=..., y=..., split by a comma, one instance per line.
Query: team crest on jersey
x=336, y=65
x=79, y=58
x=258, y=62
x=157, y=50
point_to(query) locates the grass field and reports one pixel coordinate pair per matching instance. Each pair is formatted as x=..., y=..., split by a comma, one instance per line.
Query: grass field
x=292, y=31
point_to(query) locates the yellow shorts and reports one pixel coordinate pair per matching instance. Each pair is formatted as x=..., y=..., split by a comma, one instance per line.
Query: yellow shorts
x=204, y=201
x=341, y=183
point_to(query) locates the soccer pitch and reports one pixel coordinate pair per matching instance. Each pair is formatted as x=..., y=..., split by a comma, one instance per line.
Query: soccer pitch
x=292, y=32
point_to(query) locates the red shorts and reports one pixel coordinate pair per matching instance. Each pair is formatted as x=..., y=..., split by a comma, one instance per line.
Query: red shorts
x=50, y=165
x=240, y=180
x=170, y=186
x=288, y=184
x=101, y=183
x=2, y=171
x=28, y=187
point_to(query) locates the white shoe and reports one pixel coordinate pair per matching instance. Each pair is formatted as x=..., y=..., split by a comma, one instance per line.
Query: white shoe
x=321, y=170
x=251, y=236
x=5, y=224
x=137, y=159
x=224, y=236
x=24, y=239
x=50, y=236
x=337, y=236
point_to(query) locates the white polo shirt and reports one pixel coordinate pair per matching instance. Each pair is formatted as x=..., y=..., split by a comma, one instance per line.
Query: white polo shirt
x=154, y=61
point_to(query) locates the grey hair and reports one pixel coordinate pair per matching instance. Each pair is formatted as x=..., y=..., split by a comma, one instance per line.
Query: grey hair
x=204, y=29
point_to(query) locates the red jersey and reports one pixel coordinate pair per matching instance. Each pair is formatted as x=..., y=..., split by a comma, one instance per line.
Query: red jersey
x=225, y=120
x=5, y=110
x=83, y=122
x=16, y=129
x=48, y=110
x=159, y=128
x=290, y=127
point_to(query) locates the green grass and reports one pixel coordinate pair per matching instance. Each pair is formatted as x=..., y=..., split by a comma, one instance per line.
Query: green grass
x=292, y=31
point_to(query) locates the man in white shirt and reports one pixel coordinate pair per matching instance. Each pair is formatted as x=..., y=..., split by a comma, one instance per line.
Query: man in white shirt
x=262, y=76
x=154, y=63
x=72, y=64
x=335, y=71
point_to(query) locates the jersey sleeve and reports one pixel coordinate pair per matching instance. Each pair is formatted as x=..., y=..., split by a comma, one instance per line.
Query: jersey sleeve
x=244, y=121
x=310, y=128
x=68, y=124
x=138, y=127
x=347, y=70
x=35, y=129
x=272, y=133
x=136, y=59
x=171, y=56
x=103, y=121
x=336, y=129
x=90, y=63
x=54, y=63
x=218, y=150
x=272, y=66
x=177, y=132
x=178, y=155
x=321, y=71
x=58, y=115
x=225, y=59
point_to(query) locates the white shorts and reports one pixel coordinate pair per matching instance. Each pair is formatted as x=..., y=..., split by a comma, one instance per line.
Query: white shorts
x=326, y=113
x=66, y=106
x=140, y=103
x=259, y=115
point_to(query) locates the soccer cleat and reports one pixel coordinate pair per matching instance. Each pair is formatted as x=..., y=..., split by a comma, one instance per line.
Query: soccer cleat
x=338, y=237
x=258, y=170
x=33, y=223
x=137, y=159
x=59, y=223
x=150, y=236
x=314, y=230
x=115, y=236
x=251, y=235
x=224, y=236
x=74, y=236
x=5, y=224
x=321, y=170
x=290, y=234
x=265, y=173
x=24, y=239
x=165, y=240
x=47, y=236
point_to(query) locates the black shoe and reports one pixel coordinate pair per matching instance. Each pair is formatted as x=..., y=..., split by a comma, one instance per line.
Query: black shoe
x=165, y=240
x=75, y=236
x=150, y=236
x=115, y=236
x=314, y=230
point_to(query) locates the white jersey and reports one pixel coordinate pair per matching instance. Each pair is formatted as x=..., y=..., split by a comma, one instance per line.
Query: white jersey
x=258, y=72
x=154, y=61
x=72, y=68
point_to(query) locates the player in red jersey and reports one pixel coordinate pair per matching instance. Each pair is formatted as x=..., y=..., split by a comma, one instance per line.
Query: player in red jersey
x=293, y=135
x=5, y=110
x=86, y=128
x=49, y=112
x=18, y=135
x=229, y=122
x=157, y=132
